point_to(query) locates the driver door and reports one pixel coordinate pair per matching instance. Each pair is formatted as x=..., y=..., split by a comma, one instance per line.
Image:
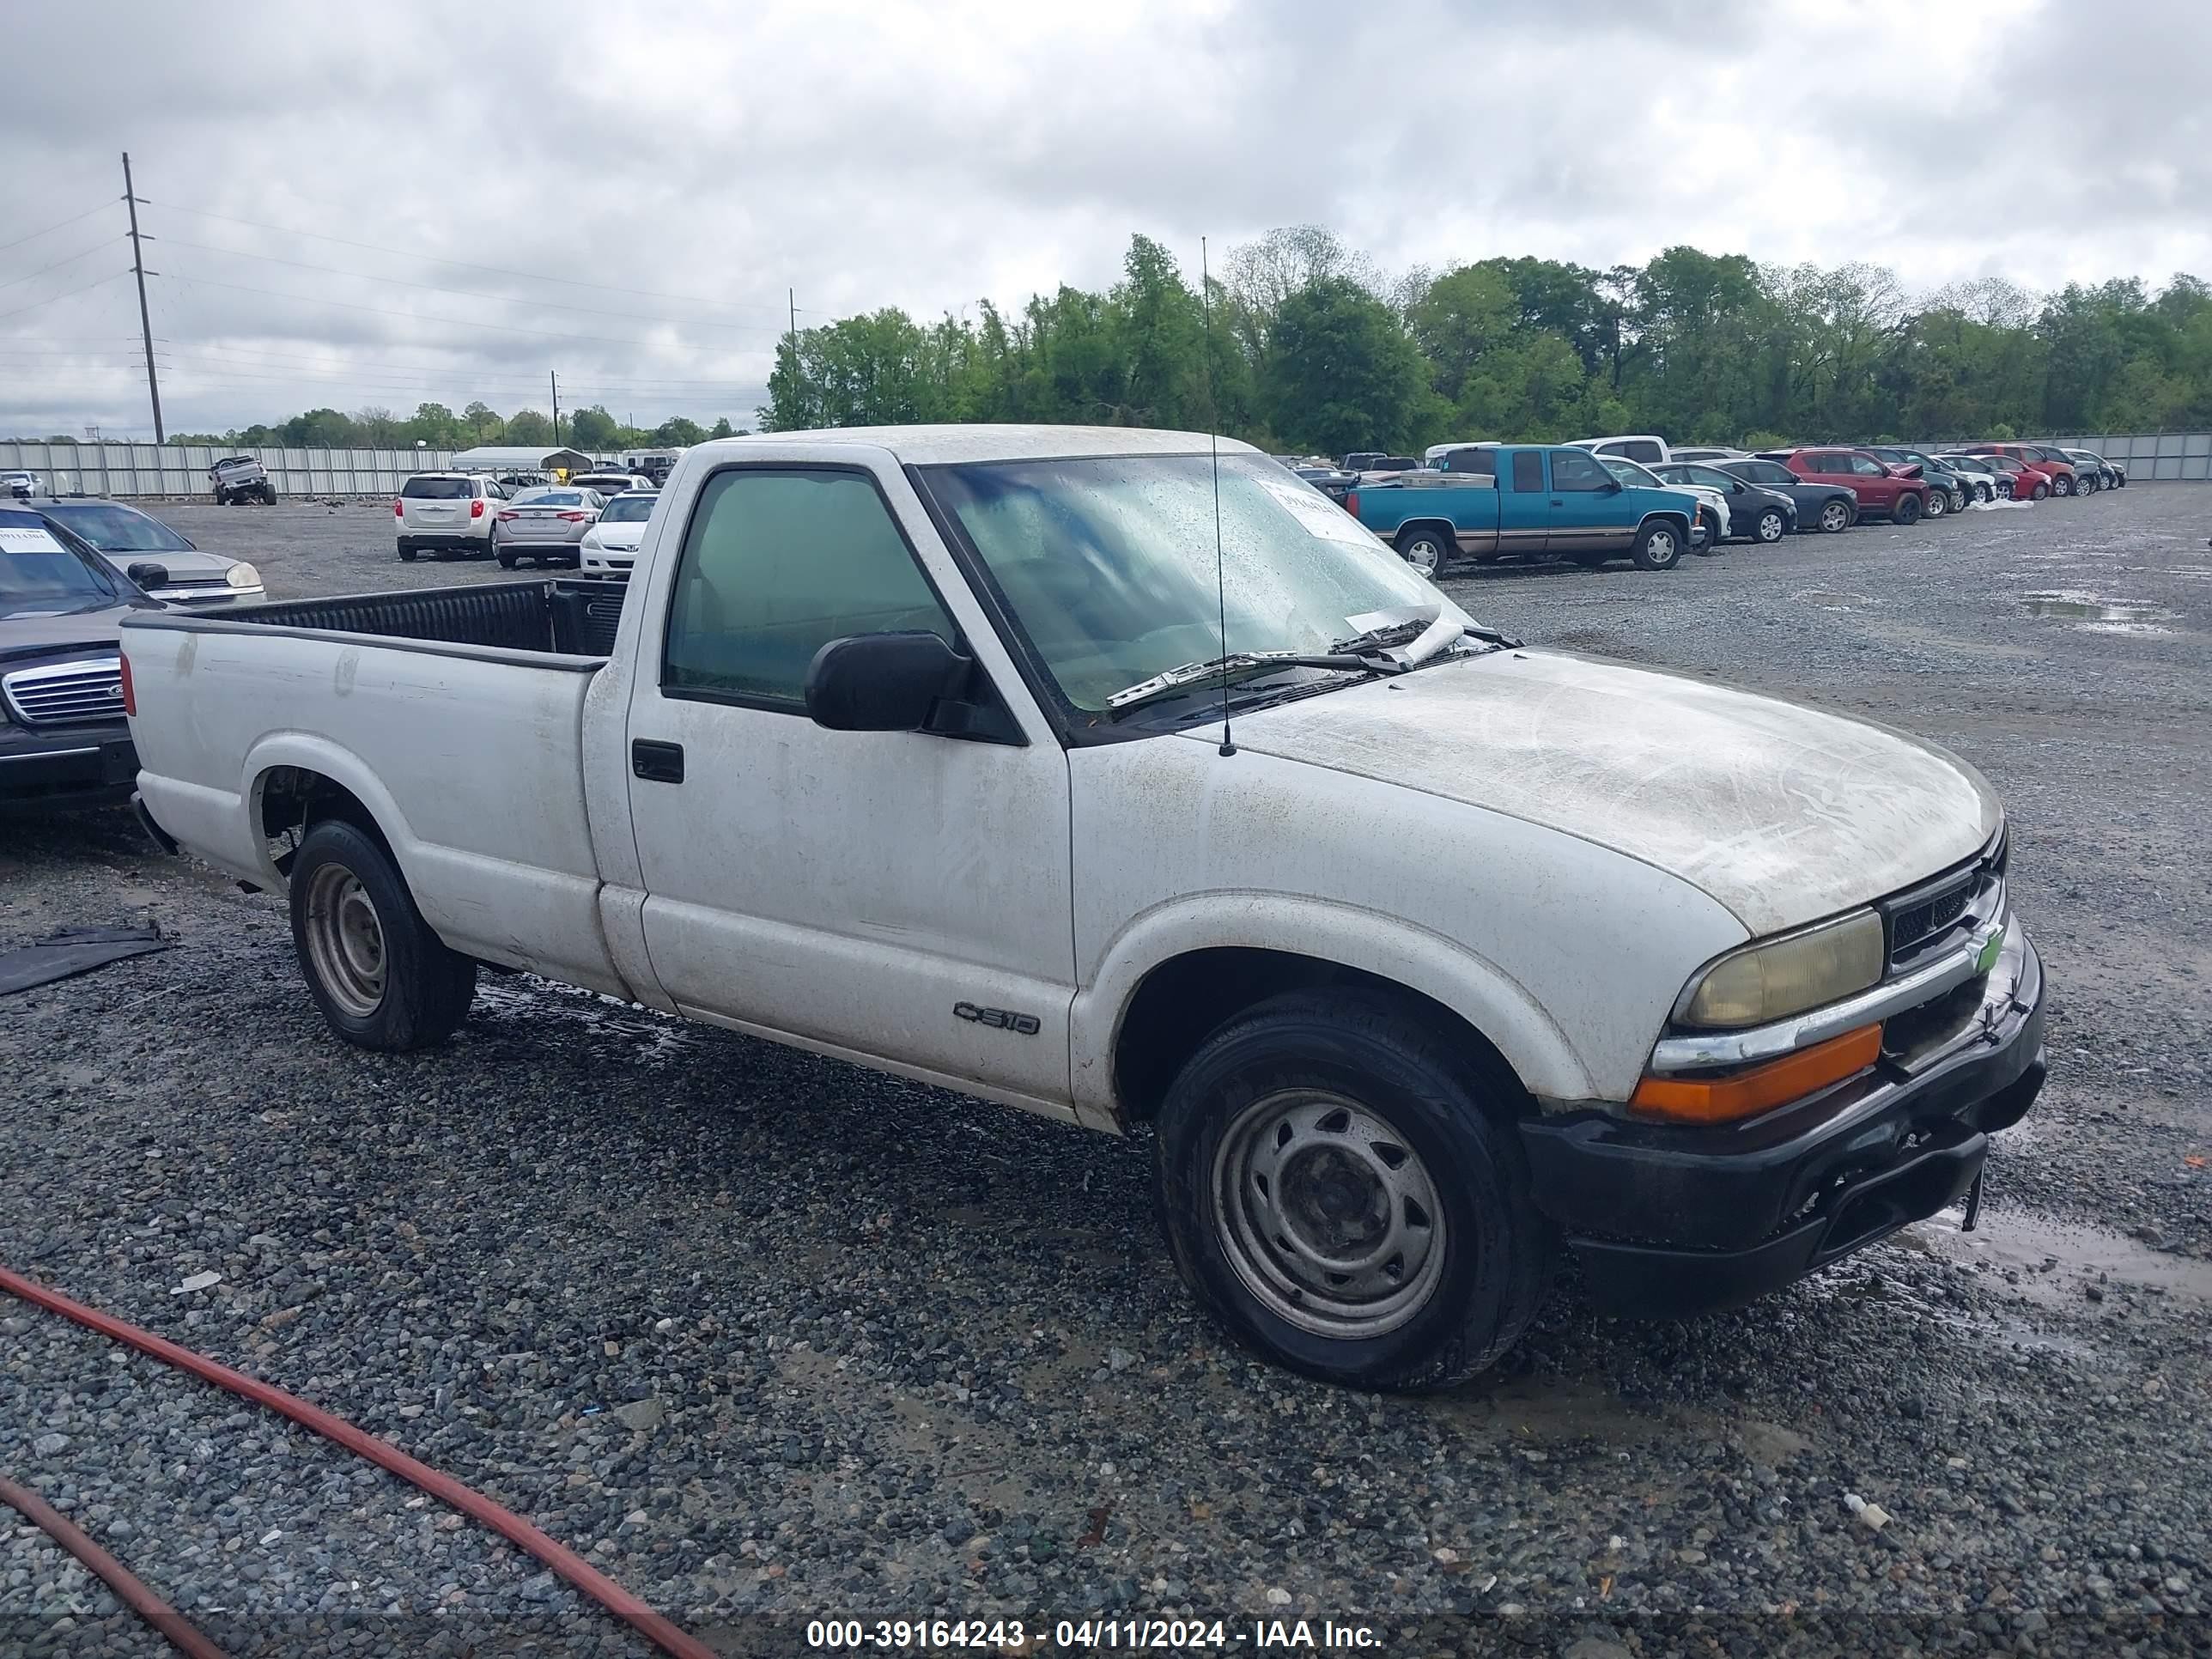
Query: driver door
x=892, y=894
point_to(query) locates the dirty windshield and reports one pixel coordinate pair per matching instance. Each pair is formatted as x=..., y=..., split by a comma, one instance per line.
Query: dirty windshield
x=1108, y=563
x=40, y=577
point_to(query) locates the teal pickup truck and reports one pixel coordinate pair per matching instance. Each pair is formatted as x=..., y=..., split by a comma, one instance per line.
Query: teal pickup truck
x=1524, y=498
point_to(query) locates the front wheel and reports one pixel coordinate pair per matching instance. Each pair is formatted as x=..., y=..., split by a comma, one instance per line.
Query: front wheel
x=1424, y=550
x=1658, y=546
x=2041, y=492
x=1770, y=527
x=1344, y=1192
x=1907, y=510
x=1959, y=499
x=1938, y=505
x=1834, y=517
x=506, y=559
x=406, y=554
x=381, y=977
x=2061, y=486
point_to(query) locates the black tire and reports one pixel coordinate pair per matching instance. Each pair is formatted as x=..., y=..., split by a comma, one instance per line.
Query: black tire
x=506, y=559
x=1770, y=526
x=2061, y=486
x=2040, y=493
x=1907, y=510
x=1492, y=1251
x=1938, y=505
x=1658, y=546
x=406, y=553
x=269, y=495
x=422, y=989
x=1426, y=549
x=1960, y=498
x=1835, y=518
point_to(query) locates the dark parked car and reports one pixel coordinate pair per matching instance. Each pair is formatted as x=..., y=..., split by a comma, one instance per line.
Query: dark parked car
x=63, y=739
x=2088, y=465
x=1332, y=481
x=1823, y=507
x=1942, y=480
x=1377, y=461
x=152, y=554
x=1989, y=481
x=1756, y=512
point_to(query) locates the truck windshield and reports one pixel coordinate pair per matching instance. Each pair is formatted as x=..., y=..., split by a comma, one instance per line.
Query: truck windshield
x=38, y=575
x=113, y=528
x=631, y=508
x=1108, y=563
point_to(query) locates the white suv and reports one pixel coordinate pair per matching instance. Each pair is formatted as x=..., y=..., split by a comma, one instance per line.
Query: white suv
x=447, y=514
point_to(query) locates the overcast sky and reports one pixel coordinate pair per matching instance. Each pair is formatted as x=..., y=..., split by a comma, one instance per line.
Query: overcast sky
x=695, y=162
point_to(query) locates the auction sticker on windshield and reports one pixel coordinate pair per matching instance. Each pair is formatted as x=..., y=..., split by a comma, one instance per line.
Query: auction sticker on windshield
x=33, y=539
x=1319, y=515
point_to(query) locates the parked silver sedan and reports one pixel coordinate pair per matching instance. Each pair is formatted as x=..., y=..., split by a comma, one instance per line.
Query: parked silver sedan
x=546, y=525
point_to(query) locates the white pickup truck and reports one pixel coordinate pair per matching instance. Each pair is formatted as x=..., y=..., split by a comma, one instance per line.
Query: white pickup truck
x=1056, y=766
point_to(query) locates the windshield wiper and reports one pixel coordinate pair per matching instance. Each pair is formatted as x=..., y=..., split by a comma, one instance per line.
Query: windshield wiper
x=1246, y=664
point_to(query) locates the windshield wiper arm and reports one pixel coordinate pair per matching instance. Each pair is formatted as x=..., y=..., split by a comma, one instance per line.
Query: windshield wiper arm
x=1239, y=662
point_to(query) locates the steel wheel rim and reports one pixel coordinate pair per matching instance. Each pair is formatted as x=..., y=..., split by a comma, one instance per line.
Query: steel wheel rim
x=345, y=940
x=1326, y=1214
x=1938, y=504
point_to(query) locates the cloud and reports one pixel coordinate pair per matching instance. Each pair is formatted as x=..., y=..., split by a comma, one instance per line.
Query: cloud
x=696, y=164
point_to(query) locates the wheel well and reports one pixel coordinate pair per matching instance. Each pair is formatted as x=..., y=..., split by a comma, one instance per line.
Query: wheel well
x=1442, y=526
x=1187, y=998
x=294, y=799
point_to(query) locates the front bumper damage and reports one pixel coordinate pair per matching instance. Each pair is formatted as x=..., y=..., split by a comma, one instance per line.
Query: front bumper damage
x=1668, y=1220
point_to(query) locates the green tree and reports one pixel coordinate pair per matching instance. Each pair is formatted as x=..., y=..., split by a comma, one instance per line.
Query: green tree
x=594, y=429
x=483, y=419
x=529, y=426
x=720, y=428
x=1342, y=373
x=677, y=431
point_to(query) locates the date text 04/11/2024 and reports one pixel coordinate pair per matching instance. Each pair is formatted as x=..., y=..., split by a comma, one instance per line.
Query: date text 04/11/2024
x=1013, y=1636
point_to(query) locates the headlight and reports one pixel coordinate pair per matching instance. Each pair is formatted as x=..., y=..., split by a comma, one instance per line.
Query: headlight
x=1763, y=982
x=242, y=576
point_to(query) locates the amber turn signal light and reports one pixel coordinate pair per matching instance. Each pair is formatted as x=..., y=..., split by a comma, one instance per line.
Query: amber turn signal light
x=1740, y=1094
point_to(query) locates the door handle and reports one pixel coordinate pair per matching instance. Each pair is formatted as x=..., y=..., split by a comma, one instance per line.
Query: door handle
x=1556, y=501
x=656, y=763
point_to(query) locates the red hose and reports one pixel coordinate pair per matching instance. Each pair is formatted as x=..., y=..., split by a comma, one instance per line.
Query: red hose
x=127, y=1588
x=443, y=1487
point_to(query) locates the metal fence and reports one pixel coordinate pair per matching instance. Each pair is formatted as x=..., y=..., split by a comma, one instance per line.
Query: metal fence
x=2152, y=455
x=181, y=470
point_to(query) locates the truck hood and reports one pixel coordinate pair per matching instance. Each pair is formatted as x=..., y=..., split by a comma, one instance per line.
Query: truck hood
x=1781, y=813
x=36, y=632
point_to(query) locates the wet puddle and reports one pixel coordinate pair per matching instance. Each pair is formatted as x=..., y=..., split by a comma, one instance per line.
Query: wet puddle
x=2098, y=614
x=2055, y=1262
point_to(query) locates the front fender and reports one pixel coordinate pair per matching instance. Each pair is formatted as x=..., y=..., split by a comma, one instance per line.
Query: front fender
x=1441, y=968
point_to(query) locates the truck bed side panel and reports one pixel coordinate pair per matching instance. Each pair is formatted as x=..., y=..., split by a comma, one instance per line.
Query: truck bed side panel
x=471, y=763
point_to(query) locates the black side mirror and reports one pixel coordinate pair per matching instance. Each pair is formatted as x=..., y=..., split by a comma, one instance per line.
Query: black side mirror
x=1610, y=487
x=148, y=574
x=883, y=682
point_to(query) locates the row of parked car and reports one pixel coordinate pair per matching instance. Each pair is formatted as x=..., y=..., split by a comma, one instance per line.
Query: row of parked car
x=1635, y=495
x=592, y=522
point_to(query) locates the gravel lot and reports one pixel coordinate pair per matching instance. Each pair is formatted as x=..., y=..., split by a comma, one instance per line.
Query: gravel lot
x=769, y=1338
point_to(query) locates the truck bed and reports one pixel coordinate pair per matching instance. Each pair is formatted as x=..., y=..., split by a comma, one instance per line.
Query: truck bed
x=455, y=716
x=573, y=617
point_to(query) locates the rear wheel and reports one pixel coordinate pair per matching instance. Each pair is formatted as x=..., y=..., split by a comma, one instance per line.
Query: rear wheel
x=1769, y=526
x=1938, y=505
x=506, y=559
x=1835, y=515
x=381, y=977
x=406, y=553
x=1344, y=1192
x=1423, y=548
x=1658, y=546
x=1907, y=510
x=1959, y=499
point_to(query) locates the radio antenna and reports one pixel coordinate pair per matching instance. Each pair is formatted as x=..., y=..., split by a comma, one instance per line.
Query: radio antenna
x=1214, y=444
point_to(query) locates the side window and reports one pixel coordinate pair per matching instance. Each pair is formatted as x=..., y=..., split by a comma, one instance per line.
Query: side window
x=1482, y=462
x=1645, y=452
x=1529, y=472
x=1866, y=466
x=1828, y=465
x=1572, y=470
x=775, y=566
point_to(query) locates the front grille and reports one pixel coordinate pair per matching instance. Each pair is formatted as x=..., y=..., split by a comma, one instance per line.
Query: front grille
x=1930, y=917
x=60, y=693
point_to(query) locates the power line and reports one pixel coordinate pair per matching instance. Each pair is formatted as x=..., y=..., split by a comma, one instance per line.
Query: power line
x=466, y=265
x=412, y=316
x=68, y=293
x=123, y=236
x=464, y=292
x=63, y=224
x=252, y=358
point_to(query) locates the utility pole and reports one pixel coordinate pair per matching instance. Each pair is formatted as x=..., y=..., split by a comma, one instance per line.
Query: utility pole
x=555, y=381
x=791, y=299
x=145, y=322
